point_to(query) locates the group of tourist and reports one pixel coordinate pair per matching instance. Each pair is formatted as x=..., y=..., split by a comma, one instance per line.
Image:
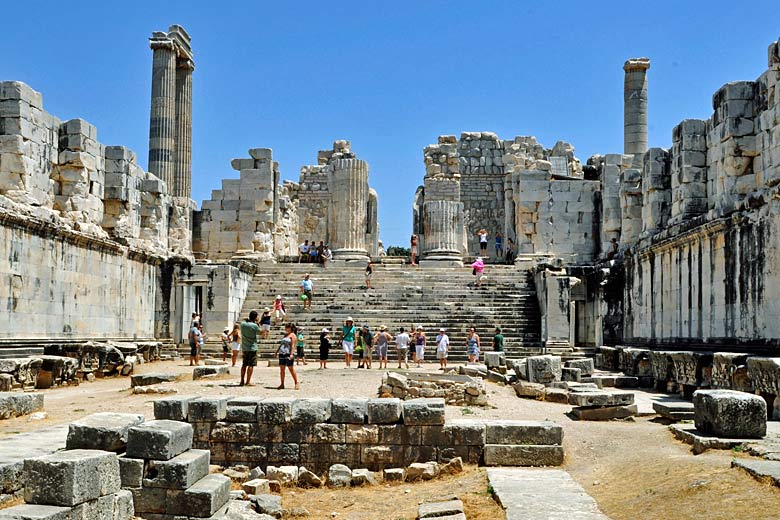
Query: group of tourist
x=313, y=253
x=507, y=255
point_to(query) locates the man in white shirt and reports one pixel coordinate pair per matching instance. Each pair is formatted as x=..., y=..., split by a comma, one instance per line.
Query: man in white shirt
x=402, y=346
x=303, y=251
x=442, y=348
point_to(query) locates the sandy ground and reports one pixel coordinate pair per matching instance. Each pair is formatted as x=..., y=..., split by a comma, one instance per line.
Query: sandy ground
x=634, y=469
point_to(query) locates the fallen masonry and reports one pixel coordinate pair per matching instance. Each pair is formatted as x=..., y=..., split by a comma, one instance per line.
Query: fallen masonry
x=456, y=390
x=16, y=404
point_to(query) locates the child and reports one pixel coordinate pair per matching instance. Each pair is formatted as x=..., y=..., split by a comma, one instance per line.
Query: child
x=279, y=312
x=300, y=354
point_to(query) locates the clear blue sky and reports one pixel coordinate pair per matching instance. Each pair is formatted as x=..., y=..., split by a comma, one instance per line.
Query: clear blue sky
x=388, y=76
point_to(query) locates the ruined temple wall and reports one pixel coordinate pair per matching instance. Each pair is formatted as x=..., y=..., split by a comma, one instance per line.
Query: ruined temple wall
x=715, y=282
x=224, y=292
x=481, y=185
x=314, y=204
x=556, y=217
x=59, y=284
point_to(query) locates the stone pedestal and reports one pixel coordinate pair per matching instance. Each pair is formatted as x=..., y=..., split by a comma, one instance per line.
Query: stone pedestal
x=347, y=226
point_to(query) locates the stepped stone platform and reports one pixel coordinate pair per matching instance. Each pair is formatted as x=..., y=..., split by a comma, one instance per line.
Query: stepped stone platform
x=14, y=449
x=541, y=494
x=404, y=296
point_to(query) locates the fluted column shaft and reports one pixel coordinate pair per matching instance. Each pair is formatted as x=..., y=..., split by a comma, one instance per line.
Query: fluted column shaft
x=443, y=224
x=635, y=106
x=348, y=189
x=182, y=175
x=162, y=124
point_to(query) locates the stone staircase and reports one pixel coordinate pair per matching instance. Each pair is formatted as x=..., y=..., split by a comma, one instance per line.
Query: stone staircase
x=403, y=296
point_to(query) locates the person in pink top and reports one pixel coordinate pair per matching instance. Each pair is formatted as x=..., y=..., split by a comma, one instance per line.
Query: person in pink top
x=279, y=312
x=478, y=267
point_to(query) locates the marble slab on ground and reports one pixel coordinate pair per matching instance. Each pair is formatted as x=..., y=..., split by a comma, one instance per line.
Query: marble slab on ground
x=15, y=448
x=762, y=470
x=541, y=494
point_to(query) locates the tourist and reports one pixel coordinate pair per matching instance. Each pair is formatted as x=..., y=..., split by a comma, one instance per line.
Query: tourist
x=313, y=252
x=194, y=339
x=483, y=241
x=195, y=319
x=250, y=330
x=306, y=290
x=303, y=251
x=419, y=347
x=414, y=249
x=324, y=348
x=613, y=249
x=510, y=251
x=498, y=341
x=225, y=343
x=235, y=342
x=348, y=332
x=279, y=312
x=402, y=347
x=367, y=342
x=369, y=272
x=201, y=342
x=472, y=345
x=499, y=245
x=478, y=269
x=285, y=354
x=265, y=323
x=442, y=348
x=300, y=353
x=321, y=252
x=327, y=256
x=381, y=340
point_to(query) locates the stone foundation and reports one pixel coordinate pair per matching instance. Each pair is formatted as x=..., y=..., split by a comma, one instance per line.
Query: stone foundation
x=456, y=390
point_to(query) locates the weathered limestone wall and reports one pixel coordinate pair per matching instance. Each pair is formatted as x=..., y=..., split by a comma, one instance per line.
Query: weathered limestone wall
x=557, y=308
x=225, y=288
x=239, y=218
x=63, y=284
x=556, y=217
x=704, y=269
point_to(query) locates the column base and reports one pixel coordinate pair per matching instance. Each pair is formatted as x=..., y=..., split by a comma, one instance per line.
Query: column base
x=441, y=261
x=350, y=257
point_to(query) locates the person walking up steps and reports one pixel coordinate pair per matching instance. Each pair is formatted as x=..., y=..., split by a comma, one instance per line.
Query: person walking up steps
x=348, y=332
x=442, y=348
x=419, y=347
x=369, y=272
x=499, y=246
x=472, y=345
x=265, y=324
x=413, y=244
x=306, y=290
x=300, y=351
x=478, y=269
x=402, y=347
x=324, y=348
x=381, y=340
x=250, y=330
x=285, y=354
x=279, y=312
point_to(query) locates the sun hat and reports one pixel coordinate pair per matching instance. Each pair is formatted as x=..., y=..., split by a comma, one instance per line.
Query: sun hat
x=382, y=327
x=349, y=318
x=325, y=330
x=278, y=296
x=441, y=329
x=267, y=309
x=226, y=329
x=419, y=327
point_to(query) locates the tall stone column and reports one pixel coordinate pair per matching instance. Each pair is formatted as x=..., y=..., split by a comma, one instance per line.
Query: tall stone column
x=162, y=120
x=635, y=106
x=182, y=174
x=348, y=193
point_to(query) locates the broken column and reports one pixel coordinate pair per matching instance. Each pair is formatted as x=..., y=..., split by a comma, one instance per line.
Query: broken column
x=442, y=211
x=348, y=184
x=689, y=170
x=656, y=191
x=635, y=106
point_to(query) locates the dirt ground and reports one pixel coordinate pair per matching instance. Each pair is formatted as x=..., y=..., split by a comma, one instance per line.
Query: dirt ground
x=634, y=469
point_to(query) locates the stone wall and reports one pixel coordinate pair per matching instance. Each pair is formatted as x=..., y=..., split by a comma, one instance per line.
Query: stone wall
x=365, y=433
x=89, y=240
x=226, y=288
x=703, y=268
